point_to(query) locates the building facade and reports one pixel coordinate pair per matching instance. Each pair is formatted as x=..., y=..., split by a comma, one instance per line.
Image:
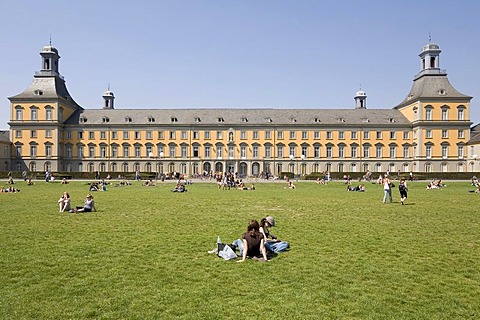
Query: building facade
x=428, y=131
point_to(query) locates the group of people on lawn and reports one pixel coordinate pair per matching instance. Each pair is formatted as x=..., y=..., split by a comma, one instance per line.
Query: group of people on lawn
x=64, y=204
x=257, y=241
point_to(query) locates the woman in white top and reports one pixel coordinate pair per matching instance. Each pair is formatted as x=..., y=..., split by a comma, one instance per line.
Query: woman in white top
x=387, y=190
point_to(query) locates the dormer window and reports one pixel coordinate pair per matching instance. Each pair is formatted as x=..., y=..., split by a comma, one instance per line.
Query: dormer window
x=244, y=119
x=83, y=119
x=128, y=119
x=151, y=119
x=341, y=120
x=105, y=119
x=293, y=120
x=220, y=119
x=197, y=119
x=268, y=119
x=38, y=92
x=391, y=120
x=317, y=120
x=365, y=120
x=173, y=119
x=442, y=92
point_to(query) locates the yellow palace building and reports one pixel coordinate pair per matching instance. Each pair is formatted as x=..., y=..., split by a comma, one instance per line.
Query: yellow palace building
x=429, y=131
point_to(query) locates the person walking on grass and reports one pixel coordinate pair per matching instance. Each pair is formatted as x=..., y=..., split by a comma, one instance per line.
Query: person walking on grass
x=387, y=189
x=402, y=187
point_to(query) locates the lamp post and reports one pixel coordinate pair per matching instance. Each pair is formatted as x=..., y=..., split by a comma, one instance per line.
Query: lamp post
x=161, y=155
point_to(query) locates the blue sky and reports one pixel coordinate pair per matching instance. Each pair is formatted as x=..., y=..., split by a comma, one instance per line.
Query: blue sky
x=239, y=54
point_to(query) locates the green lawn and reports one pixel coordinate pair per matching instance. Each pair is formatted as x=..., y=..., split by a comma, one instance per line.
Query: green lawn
x=143, y=255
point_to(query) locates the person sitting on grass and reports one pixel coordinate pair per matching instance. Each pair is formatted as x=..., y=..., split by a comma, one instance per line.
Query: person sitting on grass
x=291, y=185
x=272, y=244
x=88, y=205
x=252, y=244
x=64, y=202
x=29, y=182
x=180, y=187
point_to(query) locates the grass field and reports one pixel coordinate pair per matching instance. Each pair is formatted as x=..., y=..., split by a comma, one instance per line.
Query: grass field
x=143, y=255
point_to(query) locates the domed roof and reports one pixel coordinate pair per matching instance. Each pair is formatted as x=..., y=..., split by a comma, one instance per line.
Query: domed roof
x=50, y=48
x=108, y=93
x=431, y=46
x=360, y=93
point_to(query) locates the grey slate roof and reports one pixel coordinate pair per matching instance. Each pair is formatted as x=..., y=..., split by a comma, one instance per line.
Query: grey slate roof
x=51, y=87
x=4, y=136
x=474, y=135
x=273, y=117
x=430, y=86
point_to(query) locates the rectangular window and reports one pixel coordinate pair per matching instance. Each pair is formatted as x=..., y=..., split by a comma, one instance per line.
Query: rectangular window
x=329, y=151
x=304, y=151
x=243, y=152
x=33, y=151
x=48, y=133
x=444, y=114
x=353, y=152
x=366, y=152
x=268, y=134
x=184, y=135
x=114, y=151
x=126, y=151
x=160, y=135
x=280, y=135
x=34, y=115
x=460, y=152
x=196, y=151
x=48, y=151
x=428, y=114
x=255, y=135
x=171, y=135
x=80, y=135
x=183, y=151
x=406, y=152
x=91, y=135
x=393, y=135
x=219, y=135
x=341, y=135
x=18, y=133
x=304, y=135
x=149, y=135
x=280, y=152
x=378, y=151
x=428, y=133
x=49, y=114
x=316, y=135
x=68, y=151
x=33, y=133
x=461, y=134
x=137, y=151
x=196, y=135
x=366, y=135
x=231, y=152
x=91, y=151
x=207, y=135
x=354, y=135
x=292, y=135
x=341, y=151
x=444, y=134
x=255, y=152
x=114, y=135
x=80, y=151
x=428, y=152
x=103, y=151
x=137, y=135
x=268, y=152
x=219, y=152
x=329, y=135
x=103, y=135
x=292, y=151
x=444, y=152
x=406, y=135
x=316, y=152
x=461, y=114
x=207, y=152
x=379, y=135
x=393, y=152
x=18, y=114
x=69, y=135
x=243, y=135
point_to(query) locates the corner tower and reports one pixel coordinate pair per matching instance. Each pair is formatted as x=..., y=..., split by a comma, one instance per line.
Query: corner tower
x=37, y=116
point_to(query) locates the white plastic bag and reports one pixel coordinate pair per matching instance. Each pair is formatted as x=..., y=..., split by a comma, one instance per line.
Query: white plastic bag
x=227, y=253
